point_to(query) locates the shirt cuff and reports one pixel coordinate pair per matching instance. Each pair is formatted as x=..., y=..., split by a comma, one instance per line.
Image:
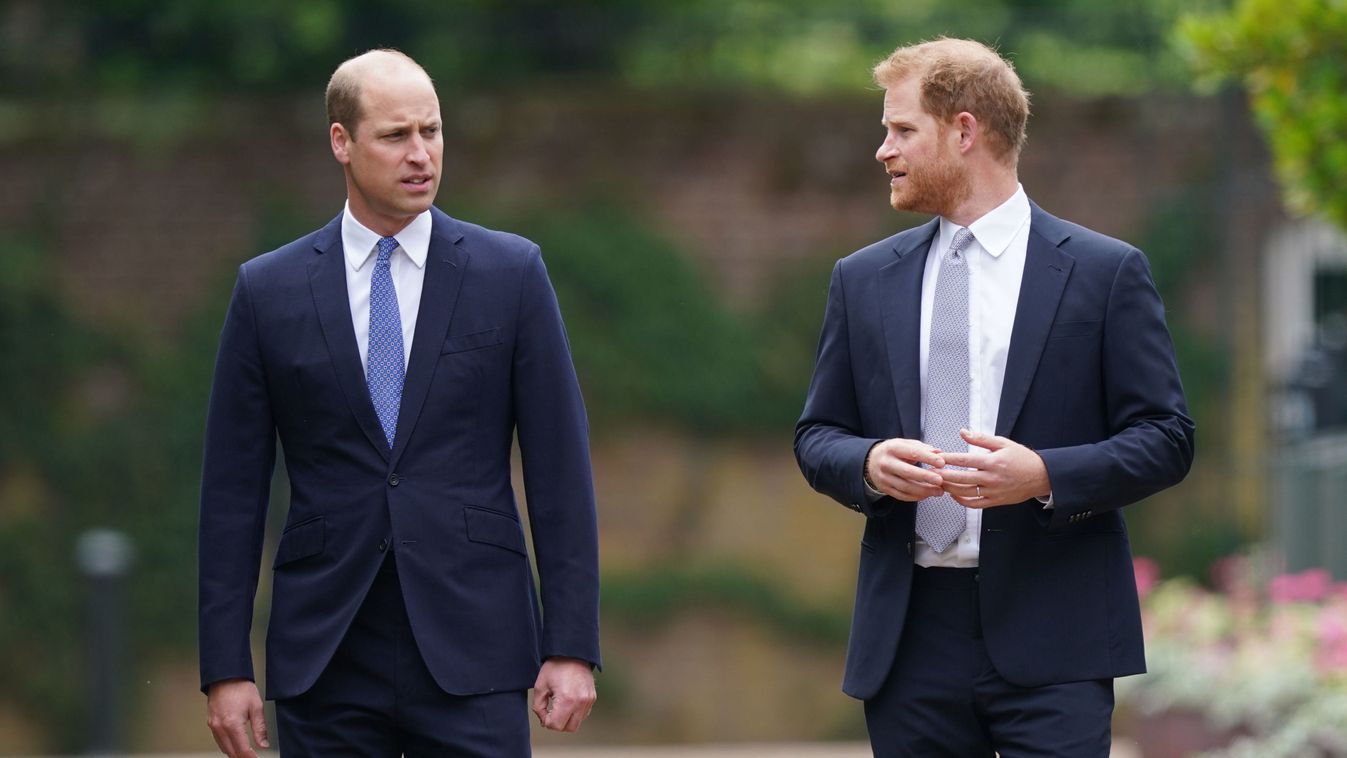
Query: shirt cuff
x=871, y=494
x=1047, y=504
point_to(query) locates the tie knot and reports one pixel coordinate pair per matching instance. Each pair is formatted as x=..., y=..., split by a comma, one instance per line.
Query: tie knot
x=386, y=247
x=962, y=239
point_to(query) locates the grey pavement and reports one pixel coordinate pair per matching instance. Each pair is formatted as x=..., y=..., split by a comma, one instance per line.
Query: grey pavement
x=1121, y=749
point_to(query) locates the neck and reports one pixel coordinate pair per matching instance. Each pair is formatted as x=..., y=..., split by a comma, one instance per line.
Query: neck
x=989, y=189
x=384, y=226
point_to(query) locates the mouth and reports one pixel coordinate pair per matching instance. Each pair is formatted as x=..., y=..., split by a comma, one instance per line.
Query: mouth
x=896, y=177
x=417, y=182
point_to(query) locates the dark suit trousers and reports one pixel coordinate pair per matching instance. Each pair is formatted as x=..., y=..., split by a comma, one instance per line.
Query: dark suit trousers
x=377, y=699
x=944, y=697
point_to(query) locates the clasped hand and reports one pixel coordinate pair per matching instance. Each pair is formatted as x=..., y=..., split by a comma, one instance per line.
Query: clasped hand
x=995, y=471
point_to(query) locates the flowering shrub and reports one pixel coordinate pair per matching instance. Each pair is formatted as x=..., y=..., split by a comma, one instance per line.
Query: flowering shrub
x=1265, y=662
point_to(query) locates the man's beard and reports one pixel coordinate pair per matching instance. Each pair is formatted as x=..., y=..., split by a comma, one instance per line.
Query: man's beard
x=937, y=188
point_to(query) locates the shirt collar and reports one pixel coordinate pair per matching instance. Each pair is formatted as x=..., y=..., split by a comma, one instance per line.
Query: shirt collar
x=359, y=240
x=995, y=230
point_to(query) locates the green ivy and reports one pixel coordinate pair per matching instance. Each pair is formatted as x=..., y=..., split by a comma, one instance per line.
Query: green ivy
x=651, y=341
x=51, y=470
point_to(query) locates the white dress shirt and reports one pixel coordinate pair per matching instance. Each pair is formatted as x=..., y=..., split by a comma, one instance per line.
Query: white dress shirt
x=407, y=266
x=995, y=268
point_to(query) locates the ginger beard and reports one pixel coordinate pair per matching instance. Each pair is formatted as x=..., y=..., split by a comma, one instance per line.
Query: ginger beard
x=937, y=187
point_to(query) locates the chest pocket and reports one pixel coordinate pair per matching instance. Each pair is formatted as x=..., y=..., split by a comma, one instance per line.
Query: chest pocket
x=459, y=343
x=1065, y=329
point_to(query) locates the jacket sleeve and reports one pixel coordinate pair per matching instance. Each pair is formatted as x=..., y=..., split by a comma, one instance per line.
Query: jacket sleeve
x=829, y=444
x=554, y=446
x=1150, y=446
x=240, y=451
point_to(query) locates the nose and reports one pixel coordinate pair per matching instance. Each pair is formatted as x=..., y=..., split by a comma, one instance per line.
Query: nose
x=417, y=152
x=887, y=150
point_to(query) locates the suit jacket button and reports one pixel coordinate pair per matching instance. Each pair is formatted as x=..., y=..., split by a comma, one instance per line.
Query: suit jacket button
x=393, y=480
x=383, y=545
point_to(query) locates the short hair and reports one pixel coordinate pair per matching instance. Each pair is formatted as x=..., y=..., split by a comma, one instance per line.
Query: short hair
x=957, y=75
x=343, y=89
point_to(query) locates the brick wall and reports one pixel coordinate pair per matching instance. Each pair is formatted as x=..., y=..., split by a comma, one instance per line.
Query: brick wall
x=747, y=186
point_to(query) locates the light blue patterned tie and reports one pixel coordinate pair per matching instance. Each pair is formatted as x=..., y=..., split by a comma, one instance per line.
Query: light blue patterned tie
x=385, y=370
x=940, y=520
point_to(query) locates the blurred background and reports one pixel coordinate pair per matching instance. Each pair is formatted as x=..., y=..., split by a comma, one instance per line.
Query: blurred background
x=691, y=171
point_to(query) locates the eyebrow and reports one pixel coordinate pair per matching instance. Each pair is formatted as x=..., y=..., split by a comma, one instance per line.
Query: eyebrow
x=403, y=126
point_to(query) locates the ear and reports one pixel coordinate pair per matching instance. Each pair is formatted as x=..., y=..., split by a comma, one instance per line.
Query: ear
x=341, y=141
x=968, y=128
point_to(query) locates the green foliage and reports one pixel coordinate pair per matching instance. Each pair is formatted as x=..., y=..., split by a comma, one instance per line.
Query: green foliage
x=650, y=339
x=97, y=432
x=1181, y=238
x=651, y=342
x=1086, y=47
x=1292, y=57
x=43, y=478
x=42, y=427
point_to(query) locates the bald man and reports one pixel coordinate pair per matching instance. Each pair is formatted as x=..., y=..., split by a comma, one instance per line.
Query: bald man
x=396, y=353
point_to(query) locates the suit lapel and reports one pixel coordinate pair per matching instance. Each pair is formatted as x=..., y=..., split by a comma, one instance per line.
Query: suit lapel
x=900, y=309
x=1046, y=269
x=445, y=264
x=327, y=282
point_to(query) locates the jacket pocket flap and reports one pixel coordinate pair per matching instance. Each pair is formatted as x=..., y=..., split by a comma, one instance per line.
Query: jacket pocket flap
x=457, y=343
x=494, y=528
x=301, y=541
x=1063, y=329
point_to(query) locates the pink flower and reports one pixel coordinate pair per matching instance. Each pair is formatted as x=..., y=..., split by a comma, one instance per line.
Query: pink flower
x=1310, y=586
x=1332, y=633
x=1147, y=575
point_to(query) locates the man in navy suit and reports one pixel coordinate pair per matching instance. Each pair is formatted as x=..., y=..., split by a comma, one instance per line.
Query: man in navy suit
x=991, y=389
x=396, y=353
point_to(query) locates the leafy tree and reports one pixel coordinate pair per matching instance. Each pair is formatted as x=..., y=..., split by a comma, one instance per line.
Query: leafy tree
x=1082, y=47
x=1291, y=55
x=196, y=47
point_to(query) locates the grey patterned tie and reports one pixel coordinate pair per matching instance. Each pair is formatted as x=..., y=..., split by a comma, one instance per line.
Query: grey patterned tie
x=940, y=520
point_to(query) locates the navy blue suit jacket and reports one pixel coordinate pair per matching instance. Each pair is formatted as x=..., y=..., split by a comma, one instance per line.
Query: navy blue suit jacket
x=489, y=358
x=1091, y=384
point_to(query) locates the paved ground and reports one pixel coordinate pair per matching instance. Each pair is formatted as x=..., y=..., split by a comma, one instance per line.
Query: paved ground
x=782, y=750
x=778, y=750
x=797, y=750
